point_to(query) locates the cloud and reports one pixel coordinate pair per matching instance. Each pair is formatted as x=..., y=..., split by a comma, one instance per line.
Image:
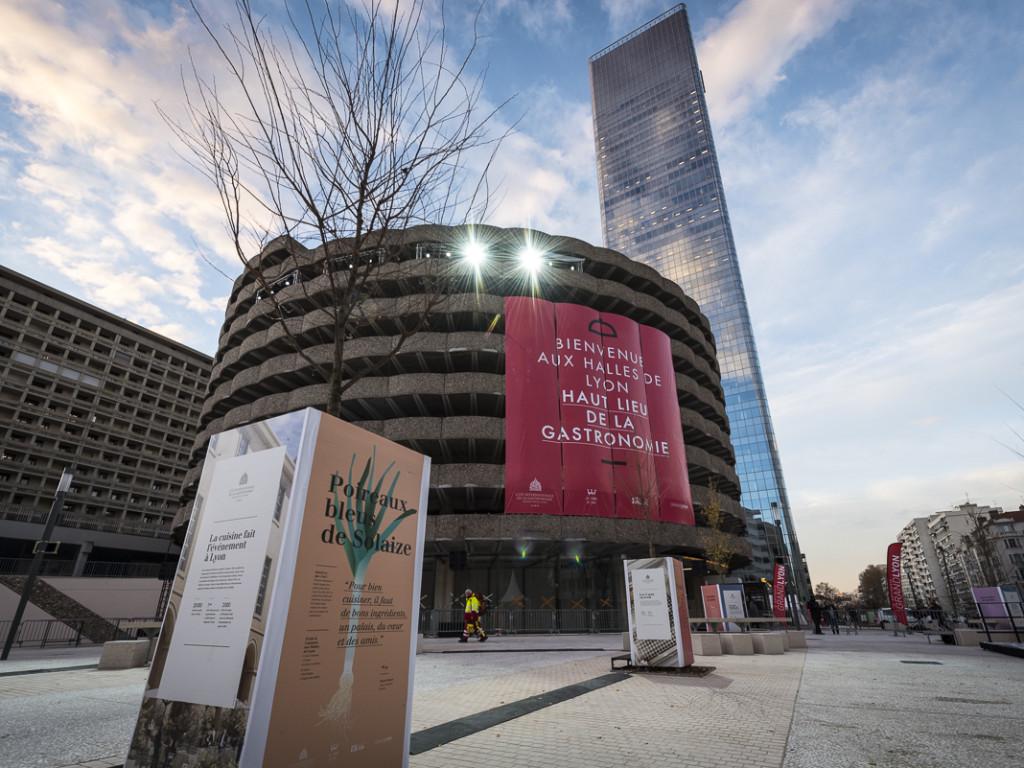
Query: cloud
x=745, y=56
x=95, y=164
x=539, y=17
x=625, y=15
x=547, y=170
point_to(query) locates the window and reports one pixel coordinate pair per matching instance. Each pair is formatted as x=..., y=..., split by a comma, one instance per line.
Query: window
x=261, y=595
x=1013, y=543
x=281, y=491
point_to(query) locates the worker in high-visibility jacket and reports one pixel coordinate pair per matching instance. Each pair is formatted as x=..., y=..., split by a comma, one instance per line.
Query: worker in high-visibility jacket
x=472, y=618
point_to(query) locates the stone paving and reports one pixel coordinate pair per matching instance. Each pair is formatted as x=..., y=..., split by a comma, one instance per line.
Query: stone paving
x=865, y=700
x=744, y=706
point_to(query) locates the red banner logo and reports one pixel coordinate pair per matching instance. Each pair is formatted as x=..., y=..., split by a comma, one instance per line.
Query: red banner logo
x=779, y=591
x=894, y=560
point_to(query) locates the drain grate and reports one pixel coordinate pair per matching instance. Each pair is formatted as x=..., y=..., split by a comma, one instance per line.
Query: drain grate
x=908, y=661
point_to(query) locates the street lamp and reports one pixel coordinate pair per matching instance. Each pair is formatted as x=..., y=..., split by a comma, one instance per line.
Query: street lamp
x=41, y=549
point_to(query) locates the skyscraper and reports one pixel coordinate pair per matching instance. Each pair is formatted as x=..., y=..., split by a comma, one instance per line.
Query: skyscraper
x=662, y=203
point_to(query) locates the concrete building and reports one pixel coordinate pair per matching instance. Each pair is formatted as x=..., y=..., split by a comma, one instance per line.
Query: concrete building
x=944, y=556
x=80, y=386
x=443, y=394
x=663, y=203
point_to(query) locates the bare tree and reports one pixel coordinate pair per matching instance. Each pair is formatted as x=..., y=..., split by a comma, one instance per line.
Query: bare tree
x=827, y=591
x=645, y=492
x=979, y=547
x=718, y=544
x=326, y=136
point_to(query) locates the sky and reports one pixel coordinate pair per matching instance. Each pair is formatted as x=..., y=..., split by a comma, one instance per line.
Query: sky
x=872, y=154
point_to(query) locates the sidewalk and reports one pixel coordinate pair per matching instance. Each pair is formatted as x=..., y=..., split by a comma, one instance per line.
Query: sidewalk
x=849, y=700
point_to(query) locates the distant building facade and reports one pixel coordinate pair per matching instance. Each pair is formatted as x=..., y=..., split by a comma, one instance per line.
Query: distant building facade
x=80, y=386
x=948, y=553
x=663, y=203
x=444, y=394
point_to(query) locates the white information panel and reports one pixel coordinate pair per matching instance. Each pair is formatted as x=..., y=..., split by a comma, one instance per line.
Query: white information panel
x=207, y=649
x=650, y=601
x=659, y=624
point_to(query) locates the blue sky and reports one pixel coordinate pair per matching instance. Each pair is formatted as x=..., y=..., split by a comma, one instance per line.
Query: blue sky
x=872, y=153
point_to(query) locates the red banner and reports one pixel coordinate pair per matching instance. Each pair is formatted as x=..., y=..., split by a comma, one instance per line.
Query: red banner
x=592, y=415
x=666, y=428
x=588, y=479
x=779, y=591
x=893, y=565
x=533, y=468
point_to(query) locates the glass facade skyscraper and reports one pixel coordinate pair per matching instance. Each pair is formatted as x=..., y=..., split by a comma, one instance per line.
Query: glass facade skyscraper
x=662, y=203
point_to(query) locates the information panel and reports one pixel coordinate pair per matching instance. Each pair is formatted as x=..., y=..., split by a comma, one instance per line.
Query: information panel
x=205, y=656
x=290, y=634
x=659, y=622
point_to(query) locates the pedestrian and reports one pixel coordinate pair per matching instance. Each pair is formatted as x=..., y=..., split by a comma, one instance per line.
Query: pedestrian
x=471, y=616
x=832, y=617
x=851, y=615
x=815, y=608
x=936, y=611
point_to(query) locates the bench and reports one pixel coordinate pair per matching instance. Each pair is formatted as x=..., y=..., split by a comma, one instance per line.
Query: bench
x=771, y=643
x=745, y=623
x=706, y=643
x=796, y=638
x=737, y=643
x=125, y=654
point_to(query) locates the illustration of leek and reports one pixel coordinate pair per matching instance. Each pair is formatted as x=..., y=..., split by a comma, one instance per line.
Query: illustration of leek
x=358, y=532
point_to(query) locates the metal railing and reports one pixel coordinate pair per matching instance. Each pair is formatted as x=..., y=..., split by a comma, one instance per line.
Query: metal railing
x=19, y=566
x=40, y=633
x=440, y=622
x=20, y=514
x=1007, y=616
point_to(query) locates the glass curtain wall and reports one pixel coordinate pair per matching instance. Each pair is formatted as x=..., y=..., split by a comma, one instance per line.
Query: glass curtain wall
x=662, y=203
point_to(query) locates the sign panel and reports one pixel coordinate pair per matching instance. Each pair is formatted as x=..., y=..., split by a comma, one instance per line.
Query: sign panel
x=341, y=689
x=659, y=622
x=732, y=604
x=651, y=604
x=712, y=599
x=612, y=445
x=332, y=519
x=207, y=651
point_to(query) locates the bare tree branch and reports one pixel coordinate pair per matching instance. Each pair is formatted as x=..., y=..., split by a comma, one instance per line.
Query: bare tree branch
x=323, y=138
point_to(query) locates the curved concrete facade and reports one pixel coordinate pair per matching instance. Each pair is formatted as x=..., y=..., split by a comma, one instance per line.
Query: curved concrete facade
x=443, y=392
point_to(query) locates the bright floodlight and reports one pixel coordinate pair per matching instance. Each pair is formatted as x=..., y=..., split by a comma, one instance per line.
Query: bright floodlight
x=531, y=259
x=475, y=253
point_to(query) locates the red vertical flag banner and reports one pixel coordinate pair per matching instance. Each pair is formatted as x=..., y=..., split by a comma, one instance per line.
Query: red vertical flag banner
x=779, y=591
x=583, y=402
x=533, y=466
x=894, y=566
x=668, y=449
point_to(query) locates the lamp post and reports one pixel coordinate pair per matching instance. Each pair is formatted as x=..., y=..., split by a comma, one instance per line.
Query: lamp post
x=37, y=561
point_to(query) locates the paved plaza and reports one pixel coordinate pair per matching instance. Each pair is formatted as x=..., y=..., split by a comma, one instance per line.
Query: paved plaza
x=850, y=700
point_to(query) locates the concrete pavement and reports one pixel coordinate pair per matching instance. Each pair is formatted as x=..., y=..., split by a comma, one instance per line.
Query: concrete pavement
x=848, y=700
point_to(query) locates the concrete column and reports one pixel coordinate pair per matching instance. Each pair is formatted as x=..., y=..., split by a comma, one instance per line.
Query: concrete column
x=83, y=557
